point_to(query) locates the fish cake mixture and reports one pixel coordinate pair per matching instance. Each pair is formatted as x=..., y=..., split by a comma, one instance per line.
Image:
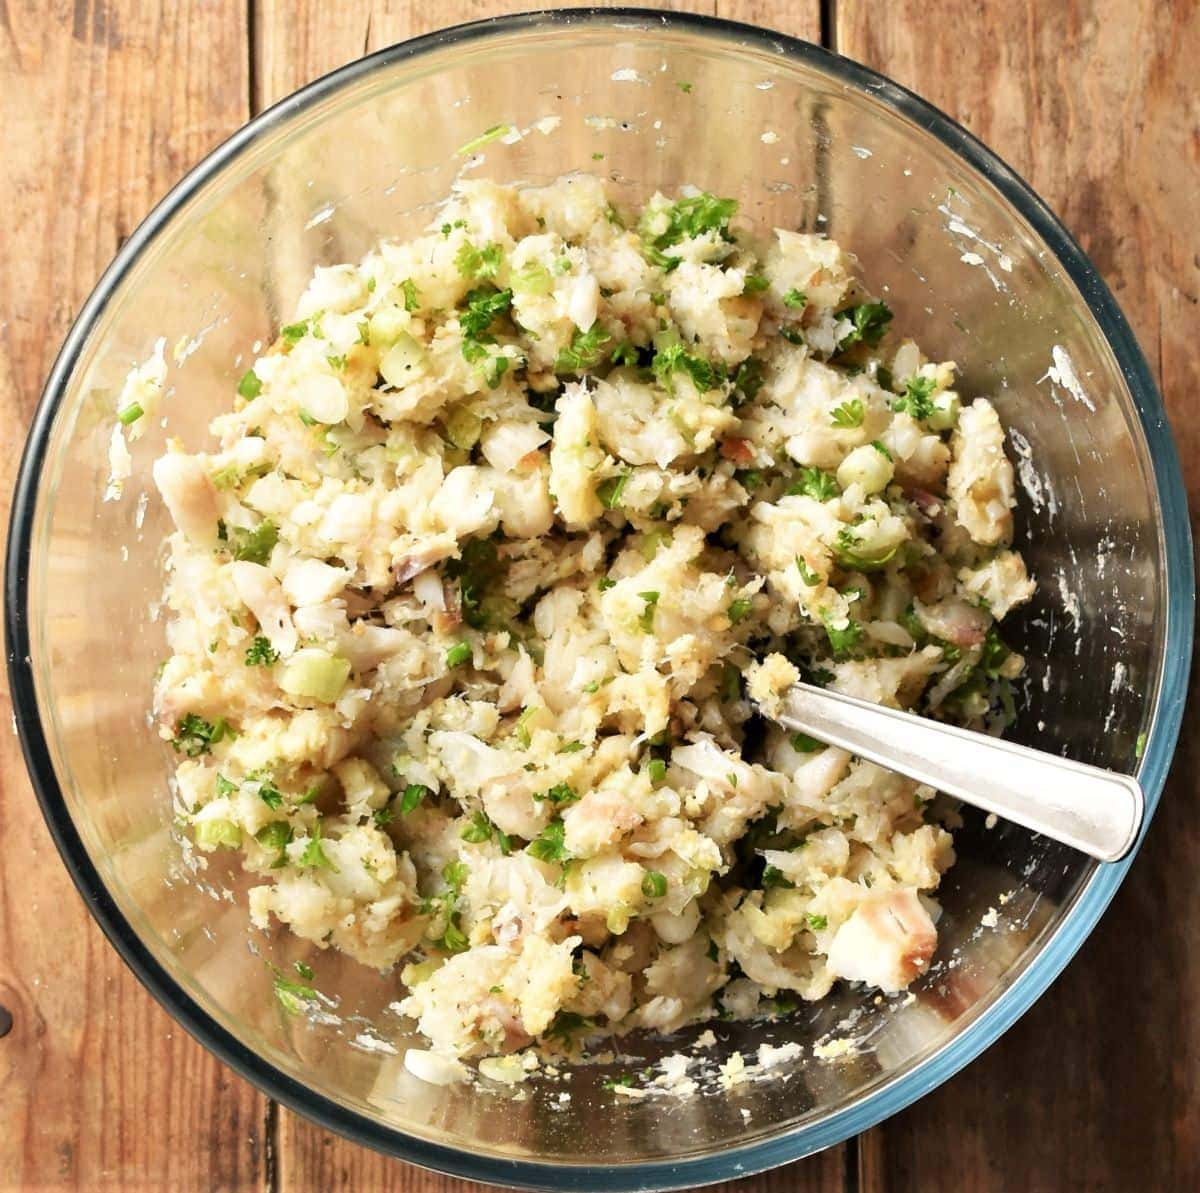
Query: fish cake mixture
x=501, y=547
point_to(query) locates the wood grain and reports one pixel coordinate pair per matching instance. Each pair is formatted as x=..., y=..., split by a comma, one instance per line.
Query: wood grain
x=104, y=105
x=1096, y=105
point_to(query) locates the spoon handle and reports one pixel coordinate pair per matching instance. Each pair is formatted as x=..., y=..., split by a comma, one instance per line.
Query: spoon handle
x=1093, y=810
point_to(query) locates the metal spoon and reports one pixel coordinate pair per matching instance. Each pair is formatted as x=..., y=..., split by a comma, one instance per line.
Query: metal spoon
x=1093, y=810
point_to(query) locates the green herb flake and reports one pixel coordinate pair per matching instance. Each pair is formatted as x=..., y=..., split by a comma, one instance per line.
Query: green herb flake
x=694, y=215
x=917, y=399
x=195, y=736
x=454, y=875
x=476, y=263
x=479, y=830
x=130, y=414
x=585, y=350
x=815, y=483
x=795, y=299
x=755, y=283
x=609, y=491
x=848, y=414
x=803, y=744
x=738, y=609
x=260, y=652
x=522, y=726
x=844, y=639
x=223, y=786
x=414, y=793
x=293, y=333
x=571, y=747
x=673, y=358
x=748, y=379
x=458, y=654
x=314, y=851
x=559, y=795
x=775, y=878
x=483, y=306
x=656, y=768
x=870, y=321
x=646, y=619
x=292, y=996
x=270, y=794
x=484, y=138
x=818, y=923
x=412, y=296
x=548, y=846
x=253, y=546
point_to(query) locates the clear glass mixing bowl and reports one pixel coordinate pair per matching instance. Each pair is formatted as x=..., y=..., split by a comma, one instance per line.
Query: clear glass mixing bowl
x=972, y=263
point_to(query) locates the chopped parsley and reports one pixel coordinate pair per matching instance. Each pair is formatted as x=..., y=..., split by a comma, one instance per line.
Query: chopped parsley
x=477, y=264
x=485, y=304
x=818, y=923
x=488, y=135
x=755, y=283
x=848, y=414
x=270, y=794
x=481, y=829
x=656, y=768
x=815, y=483
x=870, y=321
x=917, y=399
x=253, y=546
x=844, y=639
x=646, y=620
x=293, y=333
x=585, y=350
x=458, y=654
x=195, y=736
x=609, y=491
x=478, y=570
x=694, y=215
x=314, y=851
x=673, y=357
x=774, y=877
x=548, y=845
x=293, y=996
x=803, y=744
x=412, y=296
x=564, y=1025
x=795, y=299
x=260, y=653
x=414, y=793
x=559, y=795
x=748, y=379
x=738, y=609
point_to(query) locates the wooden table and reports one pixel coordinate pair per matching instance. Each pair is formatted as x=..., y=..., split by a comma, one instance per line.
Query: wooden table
x=105, y=103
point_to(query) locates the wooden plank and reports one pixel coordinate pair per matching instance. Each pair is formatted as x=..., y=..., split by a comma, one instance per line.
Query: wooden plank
x=1095, y=103
x=296, y=43
x=103, y=106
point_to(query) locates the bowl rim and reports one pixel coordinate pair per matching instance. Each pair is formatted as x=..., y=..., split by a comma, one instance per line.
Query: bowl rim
x=864, y=1111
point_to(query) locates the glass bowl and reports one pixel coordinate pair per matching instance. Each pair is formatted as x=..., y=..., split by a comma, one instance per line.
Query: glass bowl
x=972, y=263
